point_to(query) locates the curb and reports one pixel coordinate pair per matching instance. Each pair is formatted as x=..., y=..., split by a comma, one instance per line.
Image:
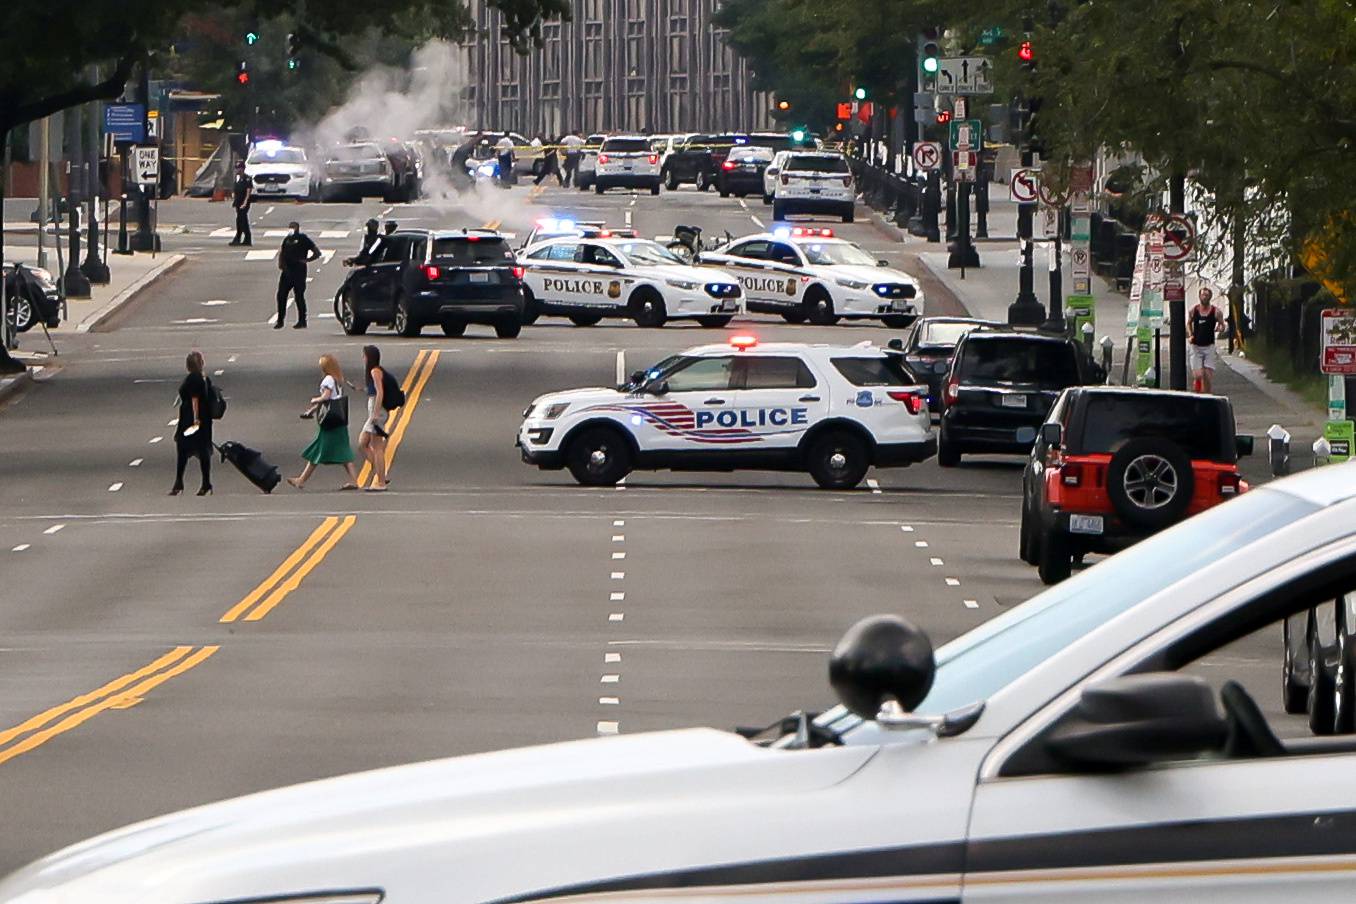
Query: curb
x=14, y=383
x=1254, y=374
x=94, y=320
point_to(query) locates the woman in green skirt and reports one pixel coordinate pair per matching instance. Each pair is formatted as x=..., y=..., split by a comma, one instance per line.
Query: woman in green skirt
x=330, y=446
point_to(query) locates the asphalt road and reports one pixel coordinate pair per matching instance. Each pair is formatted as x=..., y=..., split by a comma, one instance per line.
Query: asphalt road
x=157, y=653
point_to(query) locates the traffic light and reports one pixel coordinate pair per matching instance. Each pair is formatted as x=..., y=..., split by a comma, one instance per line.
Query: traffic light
x=838, y=127
x=1026, y=54
x=929, y=55
x=859, y=93
x=251, y=38
x=293, y=50
x=783, y=105
x=798, y=135
x=943, y=117
x=242, y=73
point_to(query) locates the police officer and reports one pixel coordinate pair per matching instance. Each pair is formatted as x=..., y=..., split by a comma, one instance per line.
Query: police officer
x=370, y=238
x=297, y=251
x=550, y=166
x=571, y=144
x=241, y=199
x=503, y=149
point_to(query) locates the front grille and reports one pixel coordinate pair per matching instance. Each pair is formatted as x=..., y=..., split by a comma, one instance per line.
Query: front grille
x=895, y=290
x=270, y=178
x=722, y=290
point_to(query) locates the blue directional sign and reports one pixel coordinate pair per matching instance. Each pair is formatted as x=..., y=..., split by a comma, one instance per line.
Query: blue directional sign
x=125, y=122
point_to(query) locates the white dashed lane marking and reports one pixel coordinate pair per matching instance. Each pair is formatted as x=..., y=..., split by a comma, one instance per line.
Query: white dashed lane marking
x=156, y=439
x=114, y=487
x=972, y=604
x=619, y=555
x=936, y=561
x=135, y=463
x=20, y=548
x=618, y=575
x=616, y=616
x=921, y=544
x=54, y=529
x=607, y=728
x=610, y=679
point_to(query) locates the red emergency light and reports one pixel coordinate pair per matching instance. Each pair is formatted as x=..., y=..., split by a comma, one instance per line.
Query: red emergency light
x=743, y=343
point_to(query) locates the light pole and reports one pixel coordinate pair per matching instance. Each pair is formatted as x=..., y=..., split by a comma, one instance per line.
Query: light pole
x=75, y=282
x=95, y=270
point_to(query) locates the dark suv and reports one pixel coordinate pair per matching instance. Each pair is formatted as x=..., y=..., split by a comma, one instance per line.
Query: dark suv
x=698, y=158
x=930, y=347
x=426, y=276
x=1113, y=465
x=1000, y=388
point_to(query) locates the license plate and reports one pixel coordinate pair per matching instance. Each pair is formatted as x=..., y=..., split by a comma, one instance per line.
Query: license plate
x=1085, y=524
x=480, y=277
x=1012, y=401
x=899, y=305
x=727, y=305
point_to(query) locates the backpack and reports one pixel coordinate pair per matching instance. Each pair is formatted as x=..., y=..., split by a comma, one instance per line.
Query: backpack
x=216, y=402
x=392, y=396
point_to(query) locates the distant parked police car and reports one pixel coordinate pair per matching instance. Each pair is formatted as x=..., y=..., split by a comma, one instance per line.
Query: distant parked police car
x=815, y=183
x=627, y=161
x=833, y=411
x=278, y=170
x=805, y=273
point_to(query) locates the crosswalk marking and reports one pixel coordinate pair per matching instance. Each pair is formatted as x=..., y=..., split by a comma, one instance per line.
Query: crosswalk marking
x=276, y=233
x=334, y=233
x=224, y=232
x=325, y=255
x=261, y=255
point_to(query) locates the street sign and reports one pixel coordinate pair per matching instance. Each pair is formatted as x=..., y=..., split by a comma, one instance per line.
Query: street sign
x=991, y=35
x=1049, y=222
x=1025, y=186
x=153, y=125
x=967, y=135
x=1151, y=303
x=146, y=165
x=1179, y=239
x=964, y=165
x=125, y=122
x=1340, y=436
x=927, y=155
x=965, y=75
x=1338, y=354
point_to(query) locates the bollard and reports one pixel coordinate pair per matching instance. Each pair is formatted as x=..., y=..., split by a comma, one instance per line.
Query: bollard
x=122, y=227
x=1087, y=339
x=1278, y=450
x=1322, y=451
x=1107, y=347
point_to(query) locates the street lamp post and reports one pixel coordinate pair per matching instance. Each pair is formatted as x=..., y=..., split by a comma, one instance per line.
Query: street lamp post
x=75, y=282
x=1026, y=310
x=144, y=239
x=95, y=270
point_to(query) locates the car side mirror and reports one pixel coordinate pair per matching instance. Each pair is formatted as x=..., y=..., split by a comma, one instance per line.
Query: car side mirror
x=773, y=170
x=637, y=378
x=1243, y=443
x=1137, y=720
x=1052, y=434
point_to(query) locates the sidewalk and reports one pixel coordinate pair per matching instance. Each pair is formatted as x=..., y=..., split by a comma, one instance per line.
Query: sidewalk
x=129, y=274
x=988, y=291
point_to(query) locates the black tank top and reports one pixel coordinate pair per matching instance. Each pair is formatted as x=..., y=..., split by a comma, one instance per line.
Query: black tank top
x=1203, y=326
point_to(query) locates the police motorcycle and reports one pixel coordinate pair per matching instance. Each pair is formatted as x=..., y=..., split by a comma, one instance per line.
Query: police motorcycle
x=687, y=242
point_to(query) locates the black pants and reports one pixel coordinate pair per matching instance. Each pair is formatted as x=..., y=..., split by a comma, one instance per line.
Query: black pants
x=187, y=447
x=292, y=280
x=549, y=167
x=242, y=226
x=506, y=175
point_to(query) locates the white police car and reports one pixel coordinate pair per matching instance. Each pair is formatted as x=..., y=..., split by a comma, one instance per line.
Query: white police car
x=562, y=227
x=278, y=170
x=589, y=279
x=804, y=273
x=627, y=161
x=815, y=182
x=831, y=410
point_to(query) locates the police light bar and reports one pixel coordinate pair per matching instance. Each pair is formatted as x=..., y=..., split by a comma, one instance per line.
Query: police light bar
x=804, y=232
x=552, y=224
x=743, y=342
x=782, y=232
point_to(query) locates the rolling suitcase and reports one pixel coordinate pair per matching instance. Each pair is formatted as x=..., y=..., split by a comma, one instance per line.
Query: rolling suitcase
x=252, y=464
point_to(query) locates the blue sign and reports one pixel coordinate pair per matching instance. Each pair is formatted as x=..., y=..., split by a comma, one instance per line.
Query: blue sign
x=125, y=122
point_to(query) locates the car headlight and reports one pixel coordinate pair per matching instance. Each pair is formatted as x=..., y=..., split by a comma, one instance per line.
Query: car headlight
x=555, y=410
x=852, y=284
x=685, y=285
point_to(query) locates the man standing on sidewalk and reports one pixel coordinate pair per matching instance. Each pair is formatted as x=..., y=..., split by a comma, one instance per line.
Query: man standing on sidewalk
x=1203, y=324
x=241, y=200
x=297, y=251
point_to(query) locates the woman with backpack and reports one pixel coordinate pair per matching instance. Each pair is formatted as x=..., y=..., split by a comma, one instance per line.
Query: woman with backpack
x=330, y=410
x=372, y=439
x=193, y=434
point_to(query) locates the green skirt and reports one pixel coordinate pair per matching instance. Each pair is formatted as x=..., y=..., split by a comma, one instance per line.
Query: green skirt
x=330, y=447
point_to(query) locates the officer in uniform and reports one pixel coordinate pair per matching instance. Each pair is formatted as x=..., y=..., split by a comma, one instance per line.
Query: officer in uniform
x=370, y=238
x=297, y=251
x=571, y=143
x=242, y=198
x=503, y=148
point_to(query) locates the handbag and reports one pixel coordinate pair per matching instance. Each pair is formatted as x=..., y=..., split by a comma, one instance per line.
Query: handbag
x=334, y=413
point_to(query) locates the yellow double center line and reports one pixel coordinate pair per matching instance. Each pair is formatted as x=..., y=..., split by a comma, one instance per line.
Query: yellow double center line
x=289, y=575
x=413, y=386
x=120, y=693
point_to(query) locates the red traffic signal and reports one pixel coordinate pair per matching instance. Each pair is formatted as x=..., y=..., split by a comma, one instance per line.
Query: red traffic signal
x=844, y=111
x=943, y=117
x=1025, y=53
x=243, y=78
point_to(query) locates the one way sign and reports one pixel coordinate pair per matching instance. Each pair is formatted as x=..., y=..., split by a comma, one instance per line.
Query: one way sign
x=146, y=165
x=965, y=75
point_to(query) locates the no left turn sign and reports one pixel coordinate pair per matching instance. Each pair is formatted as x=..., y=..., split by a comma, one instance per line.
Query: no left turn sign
x=1025, y=186
x=927, y=155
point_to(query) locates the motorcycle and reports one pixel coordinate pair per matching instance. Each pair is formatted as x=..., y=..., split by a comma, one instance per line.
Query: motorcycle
x=688, y=244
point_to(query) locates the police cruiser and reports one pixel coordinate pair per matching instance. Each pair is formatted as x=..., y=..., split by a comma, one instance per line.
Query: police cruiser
x=278, y=170
x=588, y=279
x=815, y=182
x=627, y=161
x=833, y=411
x=804, y=273
x=561, y=227
x=1067, y=750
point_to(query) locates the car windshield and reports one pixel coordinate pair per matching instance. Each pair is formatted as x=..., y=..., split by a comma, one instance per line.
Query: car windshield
x=978, y=664
x=626, y=145
x=763, y=154
x=649, y=253
x=944, y=333
x=471, y=252
x=816, y=164
x=823, y=253
x=773, y=142
x=278, y=155
x=356, y=152
x=1195, y=424
x=1049, y=365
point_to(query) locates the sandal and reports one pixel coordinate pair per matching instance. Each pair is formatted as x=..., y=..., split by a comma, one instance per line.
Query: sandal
x=380, y=489
x=348, y=486
x=296, y=483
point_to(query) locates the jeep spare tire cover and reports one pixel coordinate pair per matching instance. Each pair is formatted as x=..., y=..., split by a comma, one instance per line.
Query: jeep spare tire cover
x=1150, y=482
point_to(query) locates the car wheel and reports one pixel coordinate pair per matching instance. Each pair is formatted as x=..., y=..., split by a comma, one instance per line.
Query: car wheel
x=670, y=180
x=948, y=456
x=654, y=189
x=1344, y=679
x=793, y=316
x=21, y=315
x=767, y=199
x=715, y=323
x=531, y=310
x=454, y=327
x=1150, y=482
x=403, y=322
x=819, y=307
x=353, y=324
x=1322, y=719
x=508, y=328
x=898, y=321
x=648, y=310
x=1055, y=561
x=585, y=319
x=598, y=457
x=1294, y=691
x=849, y=216
x=703, y=181
x=837, y=461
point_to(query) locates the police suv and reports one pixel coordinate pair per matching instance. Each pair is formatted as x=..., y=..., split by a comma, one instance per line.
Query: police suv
x=815, y=182
x=627, y=161
x=833, y=411
x=805, y=273
x=588, y=279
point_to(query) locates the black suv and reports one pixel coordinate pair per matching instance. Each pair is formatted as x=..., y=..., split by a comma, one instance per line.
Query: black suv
x=698, y=158
x=427, y=276
x=930, y=347
x=1000, y=388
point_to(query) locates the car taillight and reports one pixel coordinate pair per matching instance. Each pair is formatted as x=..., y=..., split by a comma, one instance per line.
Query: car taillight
x=519, y=272
x=1230, y=484
x=951, y=393
x=430, y=271
x=912, y=399
x=847, y=181
x=1071, y=474
x=654, y=158
x=786, y=180
x=602, y=158
x=729, y=165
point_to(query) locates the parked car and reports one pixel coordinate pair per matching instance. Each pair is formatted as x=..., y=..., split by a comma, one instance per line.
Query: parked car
x=1113, y=465
x=33, y=297
x=1000, y=388
x=1318, y=669
x=449, y=277
x=365, y=169
x=770, y=173
x=278, y=170
x=588, y=161
x=626, y=161
x=930, y=347
x=698, y=158
x=815, y=182
x=742, y=171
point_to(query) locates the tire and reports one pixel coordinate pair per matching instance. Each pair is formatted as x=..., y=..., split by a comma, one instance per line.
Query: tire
x=1025, y=550
x=849, y=216
x=724, y=192
x=1344, y=680
x=598, y=457
x=670, y=180
x=1294, y=693
x=948, y=456
x=837, y=460
x=778, y=212
x=793, y=316
x=898, y=321
x=716, y=322
x=598, y=188
x=403, y=321
x=508, y=328
x=648, y=310
x=1319, y=706
x=1150, y=482
x=1054, y=561
x=585, y=319
x=703, y=181
x=454, y=327
x=767, y=199
x=819, y=307
x=348, y=318
x=531, y=310
x=654, y=189
x=22, y=315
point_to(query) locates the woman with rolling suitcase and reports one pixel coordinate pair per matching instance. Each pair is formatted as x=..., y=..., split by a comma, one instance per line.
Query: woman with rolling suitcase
x=193, y=433
x=330, y=410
